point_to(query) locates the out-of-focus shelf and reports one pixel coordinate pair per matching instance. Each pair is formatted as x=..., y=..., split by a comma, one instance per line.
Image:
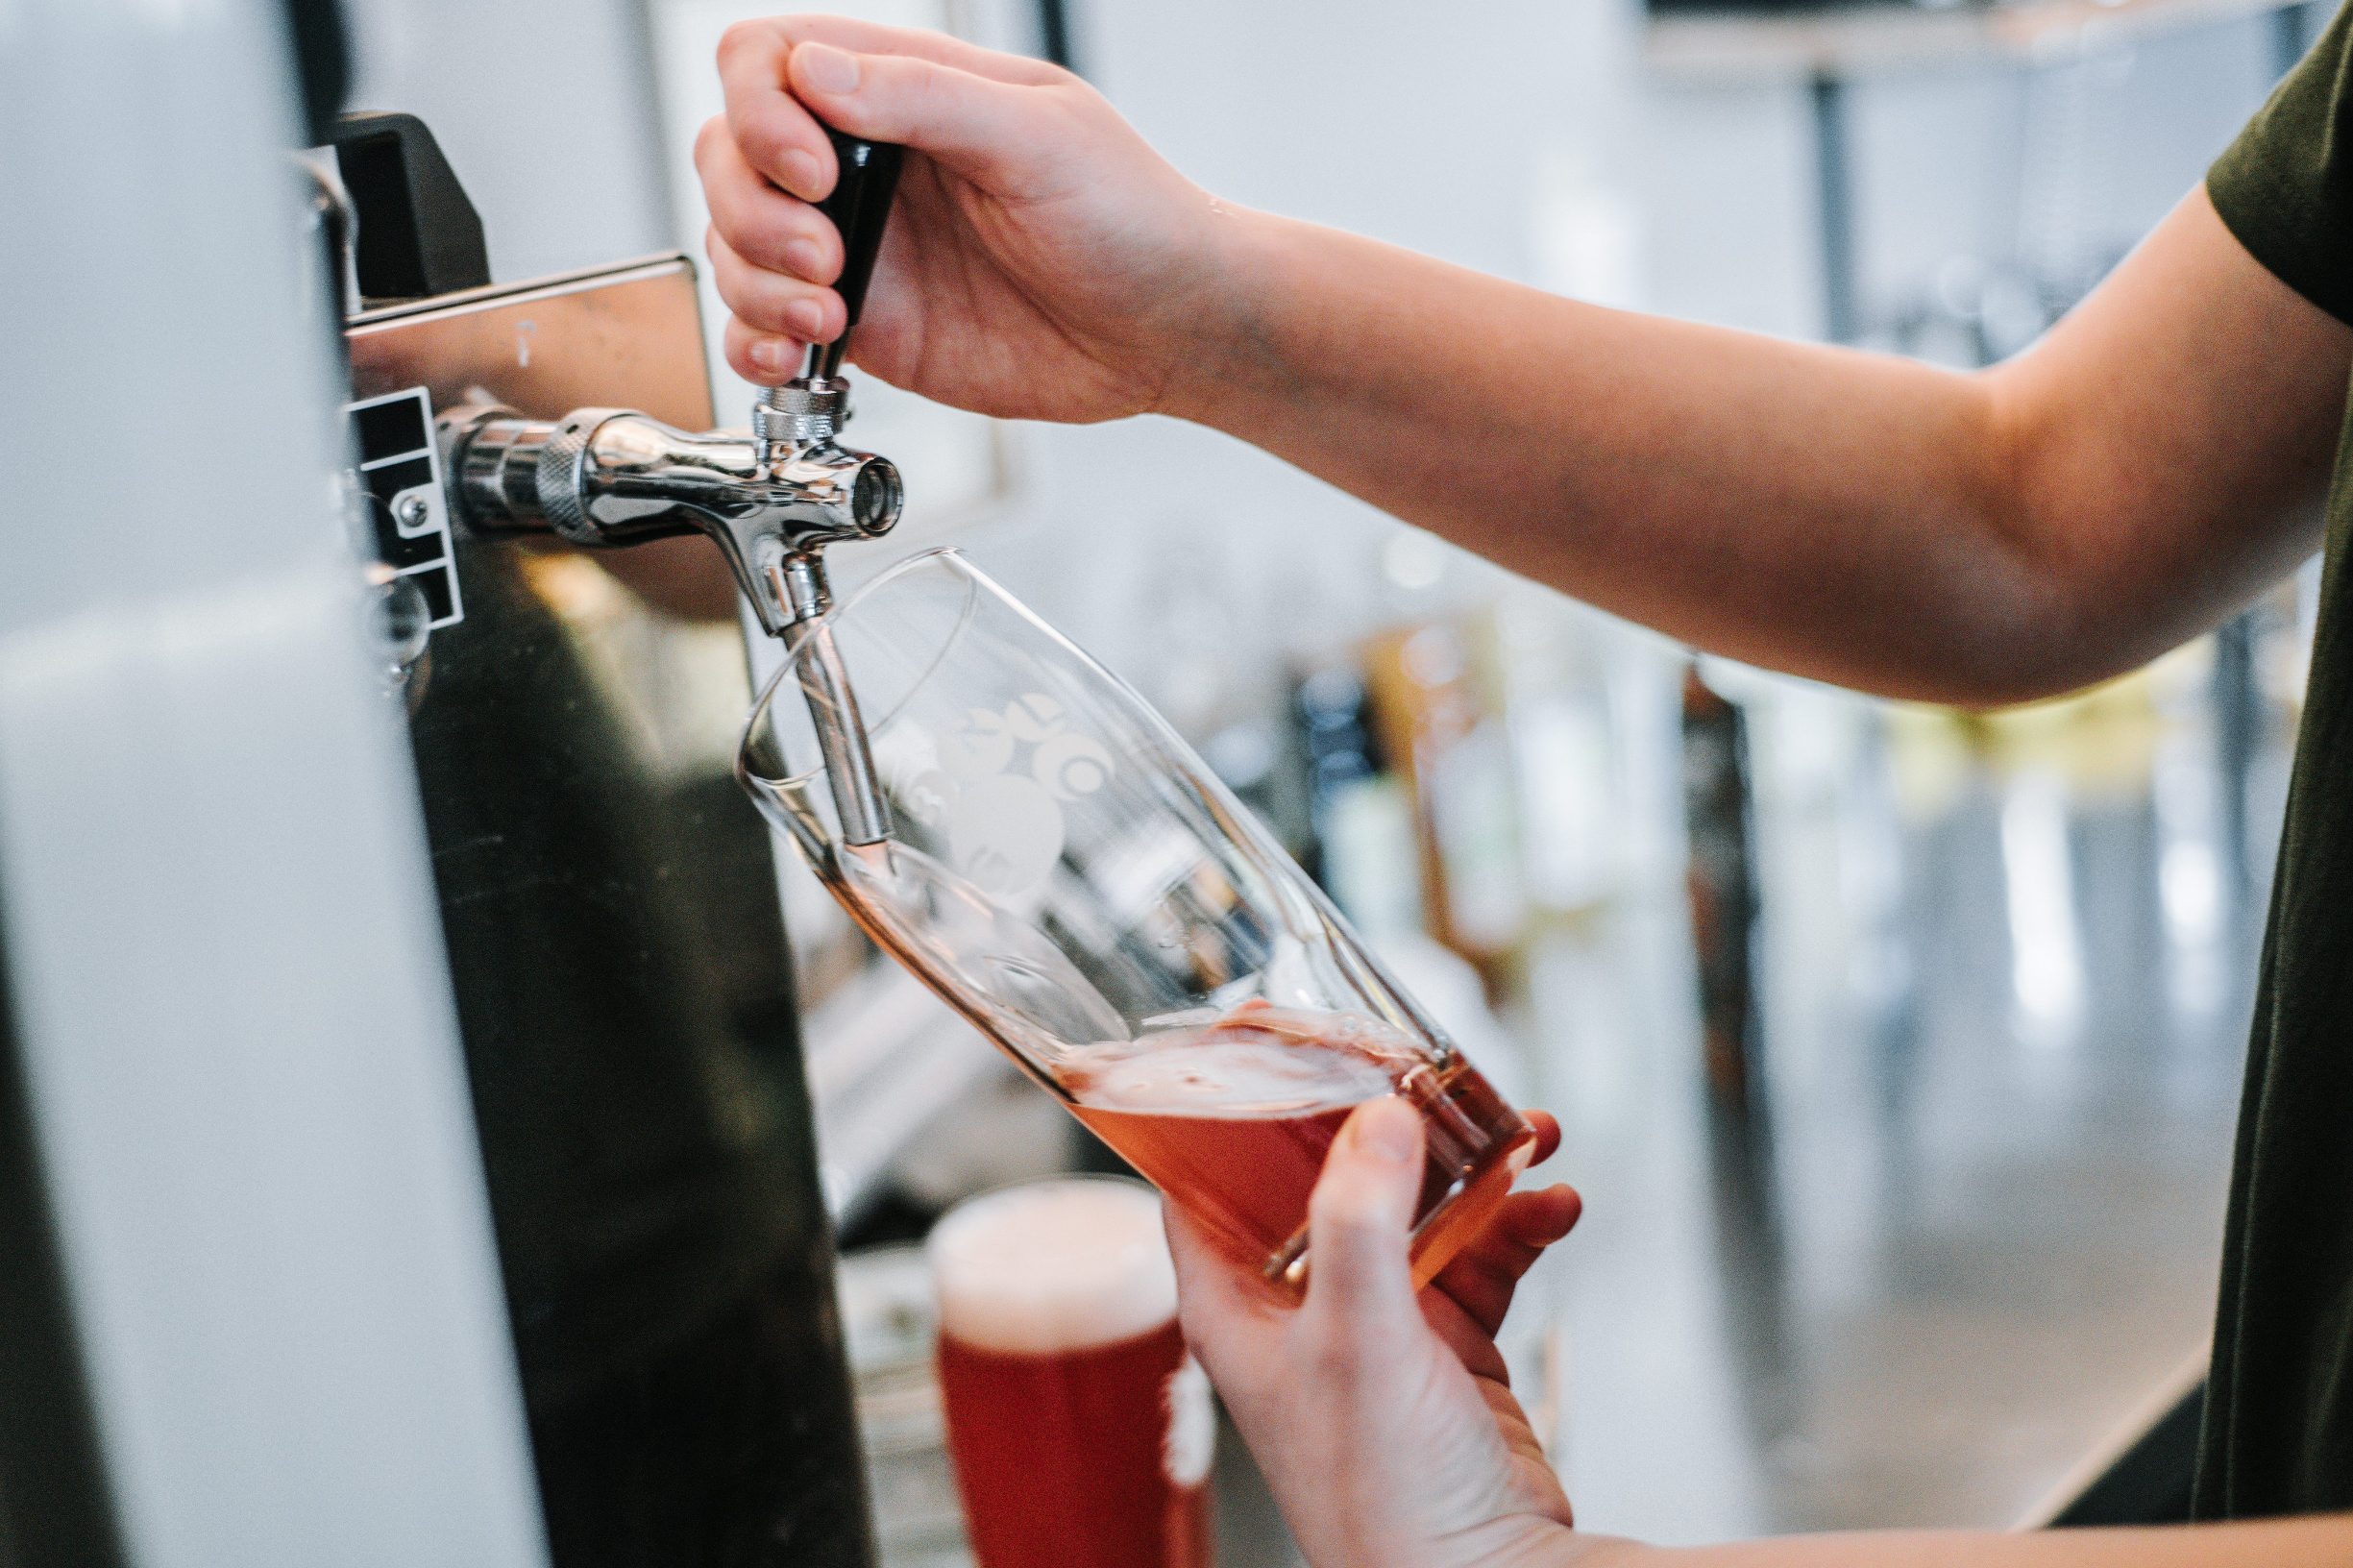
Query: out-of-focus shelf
x=884, y=1058
x=1703, y=47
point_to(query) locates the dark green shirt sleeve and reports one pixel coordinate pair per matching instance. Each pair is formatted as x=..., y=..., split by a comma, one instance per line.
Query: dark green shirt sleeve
x=2285, y=186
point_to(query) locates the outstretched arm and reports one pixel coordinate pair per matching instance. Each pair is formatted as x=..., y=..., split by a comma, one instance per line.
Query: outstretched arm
x=1857, y=518
x=1863, y=519
x=2279, y=1543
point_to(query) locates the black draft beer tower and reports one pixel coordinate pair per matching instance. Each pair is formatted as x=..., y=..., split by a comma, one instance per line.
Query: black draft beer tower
x=607, y=896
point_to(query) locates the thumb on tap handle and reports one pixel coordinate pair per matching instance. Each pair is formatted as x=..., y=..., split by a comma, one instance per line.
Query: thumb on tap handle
x=859, y=206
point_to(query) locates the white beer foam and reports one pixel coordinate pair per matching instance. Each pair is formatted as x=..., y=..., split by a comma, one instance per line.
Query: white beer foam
x=1052, y=1266
x=1203, y=1075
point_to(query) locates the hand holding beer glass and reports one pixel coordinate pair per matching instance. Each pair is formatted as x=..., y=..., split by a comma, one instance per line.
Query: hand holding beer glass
x=1065, y=872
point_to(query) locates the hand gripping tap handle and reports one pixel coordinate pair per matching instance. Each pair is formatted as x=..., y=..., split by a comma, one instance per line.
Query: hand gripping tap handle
x=859, y=206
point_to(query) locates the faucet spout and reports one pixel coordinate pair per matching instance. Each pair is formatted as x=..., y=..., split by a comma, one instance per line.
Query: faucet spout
x=614, y=477
x=771, y=500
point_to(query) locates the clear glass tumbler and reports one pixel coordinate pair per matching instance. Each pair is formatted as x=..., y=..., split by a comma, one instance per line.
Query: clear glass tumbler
x=1066, y=872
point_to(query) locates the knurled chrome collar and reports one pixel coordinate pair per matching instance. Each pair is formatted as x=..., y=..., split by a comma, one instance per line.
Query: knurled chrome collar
x=562, y=475
x=801, y=413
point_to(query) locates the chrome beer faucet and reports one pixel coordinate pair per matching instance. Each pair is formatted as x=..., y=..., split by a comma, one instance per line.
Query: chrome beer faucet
x=770, y=498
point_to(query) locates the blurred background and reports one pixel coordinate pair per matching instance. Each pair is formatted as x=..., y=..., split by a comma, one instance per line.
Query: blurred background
x=1897, y=1049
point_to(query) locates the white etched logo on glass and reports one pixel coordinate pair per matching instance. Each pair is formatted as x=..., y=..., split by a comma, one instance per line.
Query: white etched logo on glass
x=998, y=787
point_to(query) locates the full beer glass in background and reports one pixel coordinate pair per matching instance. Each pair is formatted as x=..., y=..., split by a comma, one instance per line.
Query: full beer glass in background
x=1071, y=877
x=1081, y=1432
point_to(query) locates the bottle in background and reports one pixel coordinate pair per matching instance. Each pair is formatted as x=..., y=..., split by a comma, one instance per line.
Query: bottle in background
x=1436, y=715
x=1361, y=848
x=1720, y=815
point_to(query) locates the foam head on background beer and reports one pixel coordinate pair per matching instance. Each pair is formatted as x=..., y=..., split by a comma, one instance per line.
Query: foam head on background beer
x=1053, y=1266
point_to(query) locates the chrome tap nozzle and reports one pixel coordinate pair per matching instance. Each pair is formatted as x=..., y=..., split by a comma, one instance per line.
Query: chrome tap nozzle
x=615, y=476
x=770, y=500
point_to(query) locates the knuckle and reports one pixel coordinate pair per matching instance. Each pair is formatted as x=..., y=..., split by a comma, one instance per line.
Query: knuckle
x=905, y=90
x=762, y=311
x=756, y=312
x=753, y=317
x=753, y=250
x=743, y=38
x=1336, y=1357
x=1344, y=1208
x=707, y=139
x=762, y=239
x=726, y=230
x=742, y=292
x=733, y=292
x=924, y=86
x=763, y=140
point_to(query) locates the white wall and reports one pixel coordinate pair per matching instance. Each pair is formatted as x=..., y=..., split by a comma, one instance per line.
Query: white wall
x=2070, y=163
x=1367, y=114
x=546, y=110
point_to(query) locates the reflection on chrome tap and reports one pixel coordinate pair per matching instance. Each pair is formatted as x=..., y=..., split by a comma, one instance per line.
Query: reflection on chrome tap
x=614, y=477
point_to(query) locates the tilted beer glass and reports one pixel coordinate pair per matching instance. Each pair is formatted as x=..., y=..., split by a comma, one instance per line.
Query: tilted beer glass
x=1066, y=872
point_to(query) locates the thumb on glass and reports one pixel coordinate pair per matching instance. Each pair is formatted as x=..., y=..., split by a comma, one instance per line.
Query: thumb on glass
x=1360, y=1217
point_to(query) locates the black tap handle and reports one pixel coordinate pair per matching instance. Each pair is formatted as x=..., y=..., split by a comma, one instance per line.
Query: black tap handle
x=859, y=206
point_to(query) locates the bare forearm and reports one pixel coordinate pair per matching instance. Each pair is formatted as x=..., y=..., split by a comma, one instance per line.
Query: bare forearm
x=1854, y=517
x=2286, y=1543
x=1796, y=506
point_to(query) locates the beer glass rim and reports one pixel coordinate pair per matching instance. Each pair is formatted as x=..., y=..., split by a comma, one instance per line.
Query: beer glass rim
x=804, y=631
x=1234, y=819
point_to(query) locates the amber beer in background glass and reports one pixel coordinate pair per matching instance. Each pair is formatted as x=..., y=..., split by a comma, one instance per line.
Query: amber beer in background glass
x=1081, y=1430
x=1063, y=869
